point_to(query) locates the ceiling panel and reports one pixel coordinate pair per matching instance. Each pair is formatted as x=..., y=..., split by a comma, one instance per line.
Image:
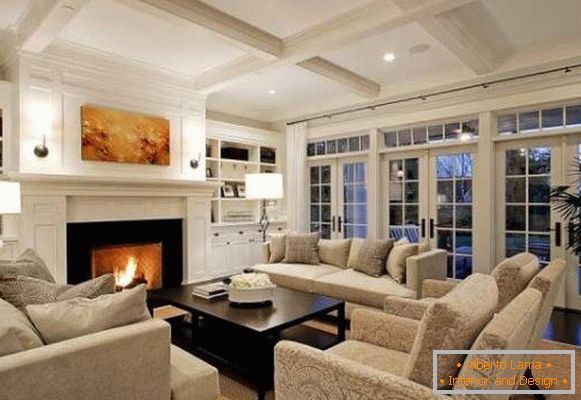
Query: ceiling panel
x=366, y=57
x=112, y=27
x=10, y=11
x=284, y=18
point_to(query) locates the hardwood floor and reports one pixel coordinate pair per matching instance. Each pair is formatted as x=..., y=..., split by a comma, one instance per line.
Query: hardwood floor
x=565, y=327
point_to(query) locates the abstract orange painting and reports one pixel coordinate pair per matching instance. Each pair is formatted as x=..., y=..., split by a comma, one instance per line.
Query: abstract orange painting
x=124, y=137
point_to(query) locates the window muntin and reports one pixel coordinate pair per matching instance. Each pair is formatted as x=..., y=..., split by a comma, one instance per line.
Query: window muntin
x=429, y=133
x=538, y=120
x=404, y=199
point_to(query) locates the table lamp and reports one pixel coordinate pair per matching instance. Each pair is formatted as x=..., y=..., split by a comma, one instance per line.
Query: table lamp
x=264, y=186
x=9, y=199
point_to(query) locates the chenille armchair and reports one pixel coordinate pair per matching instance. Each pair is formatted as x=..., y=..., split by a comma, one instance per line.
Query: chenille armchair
x=305, y=373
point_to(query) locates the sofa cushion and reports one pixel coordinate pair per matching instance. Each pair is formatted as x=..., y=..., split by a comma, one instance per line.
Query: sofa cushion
x=371, y=355
x=368, y=256
x=23, y=290
x=396, y=260
x=335, y=252
x=81, y=316
x=277, y=248
x=27, y=264
x=513, y=275
x=302, y=248
x=451, y=323
x=16, y=332
x=192, y=378
x=360, y=288
x=296, y=276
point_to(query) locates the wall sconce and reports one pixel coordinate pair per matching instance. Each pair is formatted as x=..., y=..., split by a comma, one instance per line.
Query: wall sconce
x=41, y=151
x=195, y=162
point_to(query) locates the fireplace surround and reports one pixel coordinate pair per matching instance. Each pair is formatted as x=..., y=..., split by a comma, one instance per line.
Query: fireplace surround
x=154, y=248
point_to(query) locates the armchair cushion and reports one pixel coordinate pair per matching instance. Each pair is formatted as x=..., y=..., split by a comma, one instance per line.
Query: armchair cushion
x=191, y=378
x=435, y=288
x=380, y=329
x=378, y=357
x=406, y=308
x=513, y=275
x=452, y=323
x=335, y=252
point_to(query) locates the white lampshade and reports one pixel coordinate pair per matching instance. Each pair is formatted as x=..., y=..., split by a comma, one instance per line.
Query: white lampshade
x=267, y=186
x=10, y=198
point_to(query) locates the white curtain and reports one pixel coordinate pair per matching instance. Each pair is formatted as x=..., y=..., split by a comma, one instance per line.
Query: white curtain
x=296, y=178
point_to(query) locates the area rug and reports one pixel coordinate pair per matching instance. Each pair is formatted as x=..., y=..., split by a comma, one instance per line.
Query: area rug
x=233, y=388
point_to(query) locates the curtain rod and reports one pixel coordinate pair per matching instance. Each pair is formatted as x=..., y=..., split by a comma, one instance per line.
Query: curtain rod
x=483, y=85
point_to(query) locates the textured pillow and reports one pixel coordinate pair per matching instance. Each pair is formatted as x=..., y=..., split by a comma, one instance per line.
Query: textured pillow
x=81, y=316
x=23, y=290
x=302, y=248
x=27, y=264
x=513, y=275
x=396, y=260
x=335, y=252
x=277, y=248
x=368, y=256
x=16, y=332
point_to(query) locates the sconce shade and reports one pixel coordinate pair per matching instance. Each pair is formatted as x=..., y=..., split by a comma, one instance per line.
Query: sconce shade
x=267, y=186
x=10, y=198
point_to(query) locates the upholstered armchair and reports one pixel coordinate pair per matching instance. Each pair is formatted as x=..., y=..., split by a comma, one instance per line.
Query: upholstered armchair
x=389, y=356
x=305, y=373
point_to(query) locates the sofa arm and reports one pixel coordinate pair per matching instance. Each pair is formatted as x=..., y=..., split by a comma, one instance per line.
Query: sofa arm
x=435, y=288
x=406, y=308
x=265, y=252
x=385, y=330
x=428, y=265
x=130, y=362
x=305, y=373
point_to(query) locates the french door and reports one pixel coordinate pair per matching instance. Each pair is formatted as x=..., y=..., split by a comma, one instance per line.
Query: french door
x=429, y=200
x=338, y=198
x=573, y=276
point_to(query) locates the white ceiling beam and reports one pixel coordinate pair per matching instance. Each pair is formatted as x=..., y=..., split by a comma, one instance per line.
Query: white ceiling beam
x=239, y=33
x=348, y=79
x=458, y=37
x=227, y=74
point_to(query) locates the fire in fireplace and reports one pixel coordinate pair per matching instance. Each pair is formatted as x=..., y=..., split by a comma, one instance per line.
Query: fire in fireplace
x=132, y=264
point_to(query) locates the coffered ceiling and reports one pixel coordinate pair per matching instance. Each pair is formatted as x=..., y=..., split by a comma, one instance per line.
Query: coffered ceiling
x=280, y=59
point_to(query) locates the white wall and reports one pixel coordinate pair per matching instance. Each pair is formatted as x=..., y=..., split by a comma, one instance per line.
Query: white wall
x=50, y=91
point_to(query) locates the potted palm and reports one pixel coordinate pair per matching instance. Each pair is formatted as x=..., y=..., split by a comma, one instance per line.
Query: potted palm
x=566, y=200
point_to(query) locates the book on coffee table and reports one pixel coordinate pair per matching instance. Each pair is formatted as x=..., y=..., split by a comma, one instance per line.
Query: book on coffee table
x=210, y=290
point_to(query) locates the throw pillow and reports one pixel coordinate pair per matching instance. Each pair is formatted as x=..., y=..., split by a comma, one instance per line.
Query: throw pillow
x=335, y=252
x=81, y=316
x=368, y=256
x=396, y=260
x=277, y=248
x=23, y=290
x=302, y=248
x=16, y=332
x=27, y=264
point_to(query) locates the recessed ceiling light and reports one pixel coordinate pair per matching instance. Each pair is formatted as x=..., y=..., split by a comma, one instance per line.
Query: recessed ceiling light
x=272, y=91
x=389, y=57
x=419, y=48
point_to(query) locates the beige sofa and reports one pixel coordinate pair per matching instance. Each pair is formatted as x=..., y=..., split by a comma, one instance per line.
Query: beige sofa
x=132, y=362
x=356, y=288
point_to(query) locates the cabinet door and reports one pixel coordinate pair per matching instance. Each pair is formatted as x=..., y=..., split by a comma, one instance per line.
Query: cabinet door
x=219, y=259
x=238, y=256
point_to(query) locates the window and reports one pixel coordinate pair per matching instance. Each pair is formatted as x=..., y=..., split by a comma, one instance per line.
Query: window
x=539, y=120
x=355, y=200
x=342, y=145
x=404, y=199
x=320, y=200
x=429, y=133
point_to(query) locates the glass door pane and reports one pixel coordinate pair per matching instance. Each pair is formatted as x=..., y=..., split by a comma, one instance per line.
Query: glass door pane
x=321, y=199
x=453, y=174
x=404, y=199
x=354, y=199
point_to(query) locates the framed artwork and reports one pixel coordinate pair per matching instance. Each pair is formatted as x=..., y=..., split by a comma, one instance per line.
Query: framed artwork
x=228, y=190
x=124, y=137
x=241, y=190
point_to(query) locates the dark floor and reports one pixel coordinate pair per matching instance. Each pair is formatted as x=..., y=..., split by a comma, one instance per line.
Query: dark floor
x=565, y=326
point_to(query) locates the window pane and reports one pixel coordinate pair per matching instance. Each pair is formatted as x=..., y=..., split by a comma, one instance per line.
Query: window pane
x=354, y=144
x=445, y=192
x=464, y=217
x=320, y=148
x=528, y=121
x=331, y=146
x=552, y=118
x=395, y=192
x=349, y=215
x=325, y=194
x=539, y=160
x=463, y=242
x=315, y=213
x=539, y=218
x=360, y=231
x=539, y=189
x=411, y=169
x=450, y=265
x=395, y=215
x=361, y=214
x=310, y=149
x=341, y=145
x=348, y=196
x=506, y=124
x=314, y=175
x=540, y=245
x=463, y=165
x=515, y=162
x=515, y=243
x=411, y=215
x=464, y=191
x=445, y=216
x=360, y=193
x=326, y=231
x=326, y=213
x=360, y=172
x=405, y=137
x=348, y=173
x=515, y=218
x=435, y=132
x=348, y=231
x=573, y=115
x=463, y=267
x=515, y=190
x=314, y=194
x=396, y=170
x=390, y=139
x=419, y=134
x=411, y=192
x=452, y=130
x=445, y=166
x=470, y=127
x=365, y=142
x=315, y=227
x=445, y=240
x=326, y=174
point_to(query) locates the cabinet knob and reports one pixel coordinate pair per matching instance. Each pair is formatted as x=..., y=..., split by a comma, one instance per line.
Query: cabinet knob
x=216, y=234
x=241, y=232
x=228, y=243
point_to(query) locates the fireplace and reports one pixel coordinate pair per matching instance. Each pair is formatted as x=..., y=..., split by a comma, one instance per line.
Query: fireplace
x=136, y=252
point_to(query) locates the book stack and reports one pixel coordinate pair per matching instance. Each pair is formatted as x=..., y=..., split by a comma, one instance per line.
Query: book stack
x=210, y=290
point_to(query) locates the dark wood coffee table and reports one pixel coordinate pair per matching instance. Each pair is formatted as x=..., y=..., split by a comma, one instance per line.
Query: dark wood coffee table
x=244, y=337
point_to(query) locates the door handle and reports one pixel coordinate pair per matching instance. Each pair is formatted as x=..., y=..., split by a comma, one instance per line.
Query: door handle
x=333, y=223
x=558, y=234
x=571, y=233
x=432, y=226
x=423, y=227
x=339, y=222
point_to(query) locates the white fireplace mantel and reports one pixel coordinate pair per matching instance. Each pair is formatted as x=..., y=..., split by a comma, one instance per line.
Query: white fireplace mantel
x=49, y=202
